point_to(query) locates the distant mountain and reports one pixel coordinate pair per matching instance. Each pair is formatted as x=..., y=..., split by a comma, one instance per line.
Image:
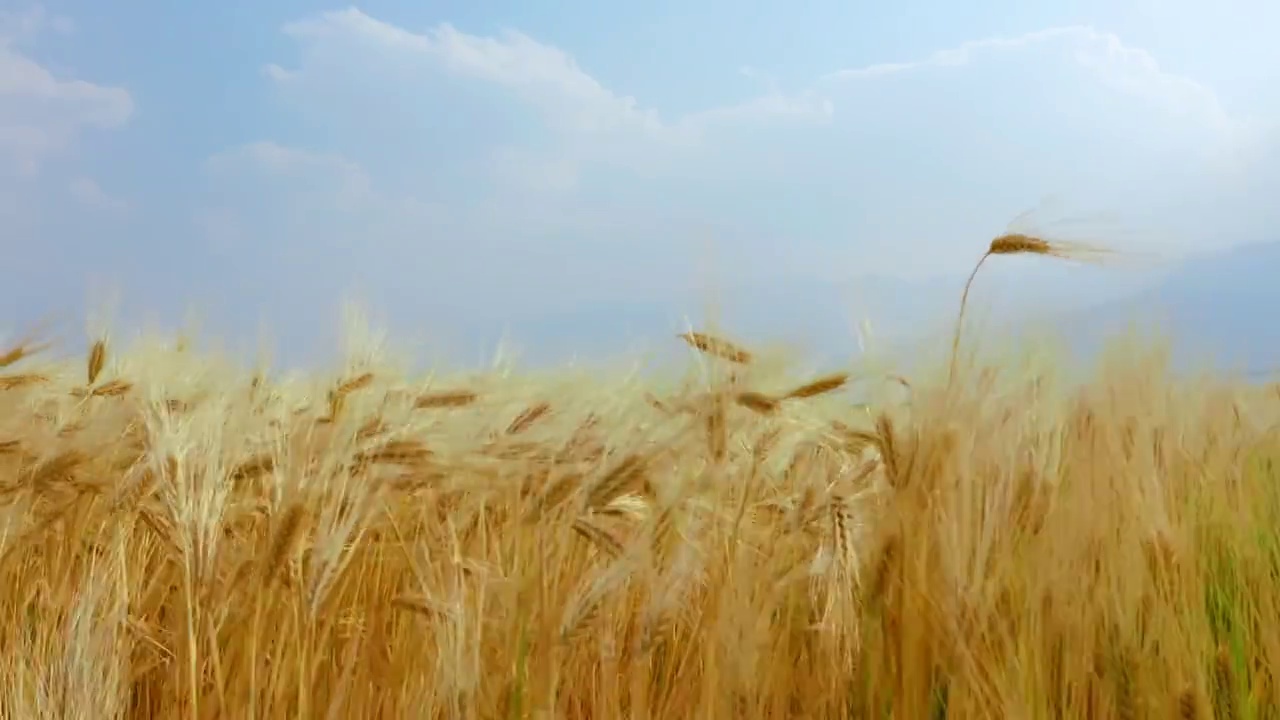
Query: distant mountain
x=1216, y=309
x=1219, y=309
x=826, y=321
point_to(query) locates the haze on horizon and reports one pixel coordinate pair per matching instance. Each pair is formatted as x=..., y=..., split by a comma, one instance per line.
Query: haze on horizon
x=578, y=173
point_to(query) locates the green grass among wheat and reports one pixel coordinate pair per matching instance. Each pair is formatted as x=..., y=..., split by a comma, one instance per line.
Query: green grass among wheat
x=184, y=538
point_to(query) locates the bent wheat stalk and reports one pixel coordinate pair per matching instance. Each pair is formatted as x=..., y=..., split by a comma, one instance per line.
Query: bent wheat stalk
x=1018, y=244
x=717, y=347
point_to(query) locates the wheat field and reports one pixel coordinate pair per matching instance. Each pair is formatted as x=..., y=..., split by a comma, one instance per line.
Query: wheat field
x=181, y=537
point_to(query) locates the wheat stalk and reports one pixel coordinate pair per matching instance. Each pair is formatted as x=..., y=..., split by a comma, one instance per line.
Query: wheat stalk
x=759, y=402
x=1188, y=704
x=819, y=386
x=97, y=359
x=585, y=606
x=598, y=535
x=448, y=399
x=346, y=387
x=528, y=417
x=1224, y=685
x=1018, y=244
x=113, y=388
x=286, y=537
x=423, y=606
x=13, y=382
x=613, y=483
x=716, y=347
x=254, y=467
x=21, y=351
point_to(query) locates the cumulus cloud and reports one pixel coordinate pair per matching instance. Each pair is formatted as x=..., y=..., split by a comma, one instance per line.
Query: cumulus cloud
x=31, y=22
x=340, y=183
x=89, y=193
x=50, y=206
x=42, y=114
x=544, y=76
x=498, y=171
x=1131, y=71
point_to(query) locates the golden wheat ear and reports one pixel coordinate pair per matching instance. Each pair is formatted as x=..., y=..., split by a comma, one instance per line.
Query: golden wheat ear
x=717, y=347
x=1022, y=244
x=96, y=361
x=21, y=351
x=1018, y=244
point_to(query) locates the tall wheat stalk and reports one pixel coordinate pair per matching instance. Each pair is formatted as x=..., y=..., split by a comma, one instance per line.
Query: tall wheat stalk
x=1017, y=244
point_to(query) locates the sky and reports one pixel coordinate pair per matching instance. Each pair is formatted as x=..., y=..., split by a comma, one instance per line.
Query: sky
x=471, y=162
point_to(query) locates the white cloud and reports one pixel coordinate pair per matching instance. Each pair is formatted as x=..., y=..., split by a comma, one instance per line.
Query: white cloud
x=520, y=171
x=310, y=202
x=1129, y=70
x=596, y=122
x=541, y=74
x=21, y=26
x=87, y=192
x=277, y=73
x=500, y=167
x=547, y=78
x=344, y=183
x=40, y=113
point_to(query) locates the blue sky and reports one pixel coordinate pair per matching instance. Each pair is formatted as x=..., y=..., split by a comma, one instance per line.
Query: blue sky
x=462, y=161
